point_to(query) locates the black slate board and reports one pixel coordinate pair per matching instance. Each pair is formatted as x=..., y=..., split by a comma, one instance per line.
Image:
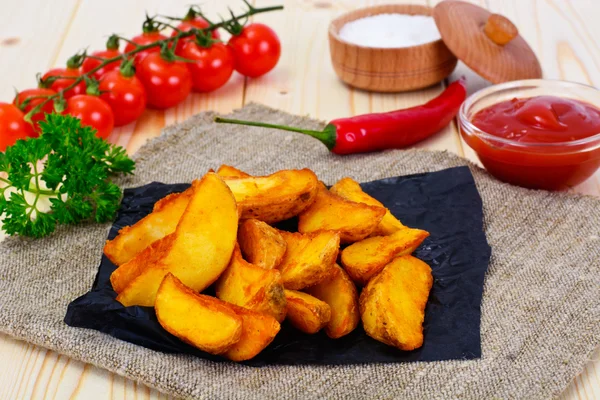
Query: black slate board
x=445, y=203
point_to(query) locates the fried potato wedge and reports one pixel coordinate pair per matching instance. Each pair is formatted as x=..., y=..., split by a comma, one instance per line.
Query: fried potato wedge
x=227, y=171
x=258, y=331
x=365, y=259
x=275, y=197
x=354, y=221
x=161, y=222
x=340, y=294
x=197, y=252
x=123, y=275
x=260, y=243
x=349, y=189
x=309, y=258
x=307, y=313
x=202, y=321
x=392, y=305
x=252, y=287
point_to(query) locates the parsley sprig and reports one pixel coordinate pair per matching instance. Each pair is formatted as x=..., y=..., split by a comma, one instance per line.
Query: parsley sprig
x=61, y=177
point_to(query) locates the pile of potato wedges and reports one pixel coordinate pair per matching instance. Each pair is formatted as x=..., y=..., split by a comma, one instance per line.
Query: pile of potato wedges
x=220, y=233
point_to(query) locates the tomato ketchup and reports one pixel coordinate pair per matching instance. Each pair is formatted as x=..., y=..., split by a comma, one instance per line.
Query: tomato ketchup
x=542, y=142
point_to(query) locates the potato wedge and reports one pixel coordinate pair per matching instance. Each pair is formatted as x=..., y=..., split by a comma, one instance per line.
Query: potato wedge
x=202, y=321
x=161, y=222
x=261, y=244
x=349, y=189
x=365, y=259
x=258, y=331
x=275, y=197
x=198, y=251
x=122, y=276
x=340, y=294
x=305, y=312
x=354, y=221
x=252, y=287
x=309, y=258
x=227, y=171
x=392, y=305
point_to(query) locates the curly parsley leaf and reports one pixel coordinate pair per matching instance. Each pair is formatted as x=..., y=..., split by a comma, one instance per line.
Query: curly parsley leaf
x=61, y=177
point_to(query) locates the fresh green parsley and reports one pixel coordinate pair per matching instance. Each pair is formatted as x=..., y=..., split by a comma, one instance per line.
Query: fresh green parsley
x=61, y=177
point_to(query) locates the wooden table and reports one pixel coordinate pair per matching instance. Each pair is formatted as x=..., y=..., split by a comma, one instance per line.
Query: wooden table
x=36, y=35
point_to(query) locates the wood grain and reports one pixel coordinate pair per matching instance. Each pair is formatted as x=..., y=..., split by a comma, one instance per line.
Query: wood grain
x=30, y=41
x=563, y=34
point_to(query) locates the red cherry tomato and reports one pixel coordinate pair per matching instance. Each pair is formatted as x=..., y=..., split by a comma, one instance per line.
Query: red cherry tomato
x=186, y=25
x=167, y=83
x=126, y=96
x=13, y=126
x=61, y=84
x=144, y=39
x=213, y=66
x=91, y=63
x=256, y=50
x=92, y=111
x=36, y=97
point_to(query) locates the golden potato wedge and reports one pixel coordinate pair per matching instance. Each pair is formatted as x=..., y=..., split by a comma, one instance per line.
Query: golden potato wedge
x=392, y=305
x=305, y=312
x=252, y=287
x=261, y=244
x=365, y=259
x=349, y=189
x=227, y=171
x=309, y=258
x=198, y=251
x=340, y=294
x=275, y=197
x=354, y=221
x=202, y=321
x=161, y=222
x=123, y=275
x=258, y=331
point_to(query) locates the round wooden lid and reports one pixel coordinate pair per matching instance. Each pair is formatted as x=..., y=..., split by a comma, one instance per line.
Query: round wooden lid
x=488, y=43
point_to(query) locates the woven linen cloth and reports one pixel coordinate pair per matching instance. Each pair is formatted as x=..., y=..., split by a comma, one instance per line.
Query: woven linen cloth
x=540, y=318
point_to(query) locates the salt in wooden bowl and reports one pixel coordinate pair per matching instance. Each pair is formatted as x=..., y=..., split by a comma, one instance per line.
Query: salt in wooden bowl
x=388, y=69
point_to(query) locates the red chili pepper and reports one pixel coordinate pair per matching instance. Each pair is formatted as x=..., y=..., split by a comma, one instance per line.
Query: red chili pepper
x=391, y=130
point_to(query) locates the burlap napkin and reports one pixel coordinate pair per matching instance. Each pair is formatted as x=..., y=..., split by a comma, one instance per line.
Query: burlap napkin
x=541, y=304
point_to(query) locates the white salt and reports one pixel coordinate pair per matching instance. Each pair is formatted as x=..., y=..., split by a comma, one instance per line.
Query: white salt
x=390, y=31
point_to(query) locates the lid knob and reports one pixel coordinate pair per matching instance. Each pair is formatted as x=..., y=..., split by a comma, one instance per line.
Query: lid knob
x=500, y=30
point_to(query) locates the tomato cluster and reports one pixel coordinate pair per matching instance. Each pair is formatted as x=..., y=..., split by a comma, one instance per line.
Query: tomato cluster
x=161, y=76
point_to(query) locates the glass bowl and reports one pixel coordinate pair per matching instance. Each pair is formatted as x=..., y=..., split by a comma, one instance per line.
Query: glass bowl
x=550, y=166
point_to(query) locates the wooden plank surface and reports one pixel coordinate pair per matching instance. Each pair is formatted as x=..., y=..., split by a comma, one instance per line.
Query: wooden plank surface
x=36, y=36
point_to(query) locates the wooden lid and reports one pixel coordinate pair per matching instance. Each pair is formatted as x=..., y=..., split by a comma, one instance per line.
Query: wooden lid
x=488, y=43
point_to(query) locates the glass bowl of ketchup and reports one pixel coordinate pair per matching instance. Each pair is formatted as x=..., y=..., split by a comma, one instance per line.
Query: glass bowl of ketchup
x=540, y=134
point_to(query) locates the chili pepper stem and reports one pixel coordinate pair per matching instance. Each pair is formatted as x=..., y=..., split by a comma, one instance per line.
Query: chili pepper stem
x=327, y=136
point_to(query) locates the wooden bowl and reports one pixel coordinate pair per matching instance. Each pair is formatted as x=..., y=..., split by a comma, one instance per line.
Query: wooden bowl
x=389, y=69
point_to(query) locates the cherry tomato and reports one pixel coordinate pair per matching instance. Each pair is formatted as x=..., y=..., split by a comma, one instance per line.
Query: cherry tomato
x=36, y=98
x=91, y=63
x=92, y=111
x=144, y=39
x=126, y=96
x=13, y=126
x=213, y=66
x=61, y=84
x=256, y=50
x=167, y=83
x=186, y=25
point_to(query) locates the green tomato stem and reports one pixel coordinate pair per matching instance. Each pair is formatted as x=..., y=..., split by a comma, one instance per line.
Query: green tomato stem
x=251, y=11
